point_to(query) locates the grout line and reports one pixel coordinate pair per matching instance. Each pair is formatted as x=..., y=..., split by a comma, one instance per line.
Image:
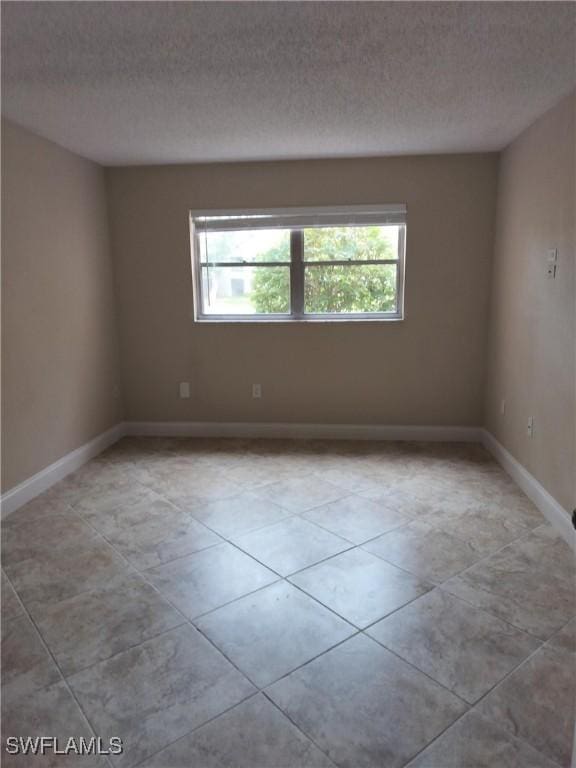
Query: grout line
x=189, y=622
x=523, y=630
x=64, y=680
x=280, y=576
x=437, y=737
x=297, y=726
x=232, y=542
x=288, y=576
x=473, y=709
x=490, y=555
x=231, y=602
x=302, y=516
x=562, y=628
x=197, y=728
x=321, y=562
x=185, y=618
x=70, y=675
x=420, y=671
x=367, y=541
x=133, y=569
x=489, y=612
x=509, y=674
x=309, y=661
x=305, y=568
x=441, y=585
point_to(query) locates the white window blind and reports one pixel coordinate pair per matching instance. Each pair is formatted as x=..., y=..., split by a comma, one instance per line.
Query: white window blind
x=299, y=218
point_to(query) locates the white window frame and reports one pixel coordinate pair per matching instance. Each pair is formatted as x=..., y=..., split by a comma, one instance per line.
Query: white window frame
x=296, y=220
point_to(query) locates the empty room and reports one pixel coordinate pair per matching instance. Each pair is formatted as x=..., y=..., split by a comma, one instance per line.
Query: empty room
x=288, y=384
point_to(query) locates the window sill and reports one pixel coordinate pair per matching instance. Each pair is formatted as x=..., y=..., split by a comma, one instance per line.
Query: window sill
x=296, y=320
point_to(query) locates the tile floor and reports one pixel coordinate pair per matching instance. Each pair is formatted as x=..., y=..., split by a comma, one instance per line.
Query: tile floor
x=285, y=604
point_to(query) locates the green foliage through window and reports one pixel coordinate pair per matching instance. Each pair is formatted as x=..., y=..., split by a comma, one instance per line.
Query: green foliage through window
x=333, y=287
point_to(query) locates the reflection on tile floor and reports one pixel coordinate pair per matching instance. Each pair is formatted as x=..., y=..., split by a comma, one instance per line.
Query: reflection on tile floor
x=290, y=604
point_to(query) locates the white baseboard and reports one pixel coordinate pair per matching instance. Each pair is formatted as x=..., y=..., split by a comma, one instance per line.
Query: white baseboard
x=302, y=431
x=547, y=504
x=41, y=481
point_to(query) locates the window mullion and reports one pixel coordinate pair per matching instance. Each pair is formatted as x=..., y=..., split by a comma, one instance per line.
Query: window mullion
x=297, y=273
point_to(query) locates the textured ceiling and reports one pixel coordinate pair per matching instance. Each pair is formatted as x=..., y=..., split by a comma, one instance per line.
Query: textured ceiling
x=166, y=82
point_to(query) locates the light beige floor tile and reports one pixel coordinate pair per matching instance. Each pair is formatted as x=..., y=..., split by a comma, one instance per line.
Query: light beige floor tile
x=26, y=664
x=463, y=648
x=388, y=476
x=565, y=639
x=100, y=474
x=23, y=540
x=62, y=493
x=99, y=500
x=178, y=468
x=93, y=626
x=155, y=542
x=475, y=742
x=430, y=488
x=44, y=505
x=290, y=545
x=530, y=583
x=486, y=528
x=356, y=519
x=240, y=514
x=206, y=580
x=160, y=690
x=202, y=485
x=429, y=552
x=273, y=631
x=360, y=587
x=61, y=572
x=537, y=703
x=49, y=712
x=154, y=532
x=365, y=707
x=355, y=479
x=400, y=501
x=11, y=608
x=290, y=464
x=516, y=504
x=255, y=734
x=151, y=506
x=300, y=494
x=251, y=473
x=150, y=497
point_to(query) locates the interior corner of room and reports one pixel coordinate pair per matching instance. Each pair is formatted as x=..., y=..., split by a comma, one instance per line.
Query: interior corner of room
x=98, y=328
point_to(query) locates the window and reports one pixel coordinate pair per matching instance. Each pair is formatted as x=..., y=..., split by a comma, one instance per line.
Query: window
x=321, y=264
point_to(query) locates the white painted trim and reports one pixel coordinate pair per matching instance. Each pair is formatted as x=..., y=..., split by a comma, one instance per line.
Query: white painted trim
x=546, y=503
x=302, y=431
x=41, y=481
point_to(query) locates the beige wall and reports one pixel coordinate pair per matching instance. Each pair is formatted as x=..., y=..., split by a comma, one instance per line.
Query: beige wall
x=533, y=328
x=59, y=343
x=428, y=369
x=60, y=374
